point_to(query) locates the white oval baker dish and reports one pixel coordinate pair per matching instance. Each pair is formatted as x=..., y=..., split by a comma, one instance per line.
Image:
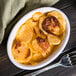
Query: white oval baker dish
x=53, y=56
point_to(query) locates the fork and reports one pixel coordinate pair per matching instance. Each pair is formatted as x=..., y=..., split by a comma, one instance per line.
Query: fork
x=66, y=59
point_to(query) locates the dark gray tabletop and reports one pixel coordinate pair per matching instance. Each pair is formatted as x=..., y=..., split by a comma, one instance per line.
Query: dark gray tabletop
x=8, y=69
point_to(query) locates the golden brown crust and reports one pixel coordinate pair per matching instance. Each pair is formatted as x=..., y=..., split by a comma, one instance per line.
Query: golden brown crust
x=51, y=24
x=43, y=43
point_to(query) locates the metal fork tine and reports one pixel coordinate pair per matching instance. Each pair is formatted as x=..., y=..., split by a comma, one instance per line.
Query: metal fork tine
x=72, y=57
x=70, y=53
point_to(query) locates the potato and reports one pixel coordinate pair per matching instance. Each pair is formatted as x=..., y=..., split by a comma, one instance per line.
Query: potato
x=53, y=40
x=36, y=16
x=24, y=34
x=53, y=22
x=36, y=46
x=60, y=18
x=38, y=32
x=31, y=23
x=51, y=25
x=43, y=49
x=21, y=52
x=42, y=18
x=37, y=57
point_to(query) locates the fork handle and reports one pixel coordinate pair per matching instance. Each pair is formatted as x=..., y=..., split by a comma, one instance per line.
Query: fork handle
x=43, y=69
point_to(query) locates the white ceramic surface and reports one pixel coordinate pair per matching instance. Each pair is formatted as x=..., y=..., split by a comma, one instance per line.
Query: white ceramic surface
x=51, y=57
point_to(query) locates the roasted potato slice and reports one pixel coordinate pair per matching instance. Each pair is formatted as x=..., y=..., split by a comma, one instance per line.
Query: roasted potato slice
x=52, y=22
x=42, y=46
x=53, y=40
x=49, y=25
x=31, y=23
x=43, y=43
x=36, y=46
x=24, y=34
x=21, y=52
x=38, y=32
x=37, y=57
x=42, y=18
x=60, y=18
x=36, y=16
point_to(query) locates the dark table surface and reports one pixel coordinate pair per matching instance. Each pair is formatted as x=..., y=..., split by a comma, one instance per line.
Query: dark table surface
x=8, y=69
